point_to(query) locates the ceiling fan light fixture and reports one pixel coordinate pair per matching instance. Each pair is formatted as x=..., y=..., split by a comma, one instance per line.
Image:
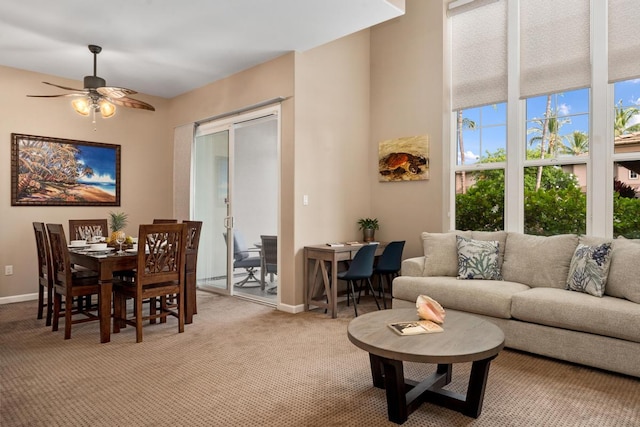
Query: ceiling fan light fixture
x=82, y=106
x=107, y=109
x=96, y=97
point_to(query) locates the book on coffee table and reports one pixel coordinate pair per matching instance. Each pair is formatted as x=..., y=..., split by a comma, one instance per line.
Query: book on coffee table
x=415, y=327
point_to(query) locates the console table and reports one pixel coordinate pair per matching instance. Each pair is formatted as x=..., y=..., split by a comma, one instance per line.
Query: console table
x=319, y=262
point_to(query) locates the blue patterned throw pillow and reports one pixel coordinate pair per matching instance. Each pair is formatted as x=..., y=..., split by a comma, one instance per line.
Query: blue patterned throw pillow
x=589, y=269
x=478, y=259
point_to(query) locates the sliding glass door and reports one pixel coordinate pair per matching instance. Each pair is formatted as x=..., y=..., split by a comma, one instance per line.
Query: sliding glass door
x=235, y=194
x=211, y=204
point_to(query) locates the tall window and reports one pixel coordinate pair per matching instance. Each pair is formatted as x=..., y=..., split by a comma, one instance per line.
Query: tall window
x=541, y=129
x=626, y=163
x=480, y=114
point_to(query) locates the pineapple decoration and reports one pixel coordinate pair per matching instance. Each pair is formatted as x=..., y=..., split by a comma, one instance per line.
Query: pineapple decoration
x=118, y=223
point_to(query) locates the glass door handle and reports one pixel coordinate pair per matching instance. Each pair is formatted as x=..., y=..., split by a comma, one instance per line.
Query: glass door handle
x=228, y=222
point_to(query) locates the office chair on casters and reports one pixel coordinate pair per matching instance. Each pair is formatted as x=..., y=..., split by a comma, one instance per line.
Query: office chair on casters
x=361, y=269
x=388, y=267
x=242, y=259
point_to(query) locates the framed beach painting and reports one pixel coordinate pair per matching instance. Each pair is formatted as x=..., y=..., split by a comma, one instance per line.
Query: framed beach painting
x=404, y=159
x=62, y=172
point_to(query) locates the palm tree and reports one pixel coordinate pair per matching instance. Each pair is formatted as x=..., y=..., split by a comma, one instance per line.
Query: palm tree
x=623, y=117
x=577, y=144
x=463, y=123
x=547, y=132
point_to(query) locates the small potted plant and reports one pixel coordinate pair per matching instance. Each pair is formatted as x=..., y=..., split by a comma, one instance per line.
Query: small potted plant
x=368, y=227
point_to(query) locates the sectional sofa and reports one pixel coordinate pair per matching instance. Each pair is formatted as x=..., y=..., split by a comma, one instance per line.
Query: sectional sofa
x=520, y=283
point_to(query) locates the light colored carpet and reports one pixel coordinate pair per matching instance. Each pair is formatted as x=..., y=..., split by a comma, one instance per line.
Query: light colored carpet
x=245, y=364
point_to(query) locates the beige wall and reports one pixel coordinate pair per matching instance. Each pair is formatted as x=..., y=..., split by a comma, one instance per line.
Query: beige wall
x=146, y=167
x=264, y=82
x=332, y=144
x=406, y=100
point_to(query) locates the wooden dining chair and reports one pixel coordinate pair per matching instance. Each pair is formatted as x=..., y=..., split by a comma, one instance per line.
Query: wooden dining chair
x=69, y=285
x=191, y=259
x=45, y=282
x=165, y=221
x=87, y=229
x=160, y=272
x=191, y=265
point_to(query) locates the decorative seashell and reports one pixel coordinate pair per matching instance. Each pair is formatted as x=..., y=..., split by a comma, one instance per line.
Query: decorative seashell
x=429, y=309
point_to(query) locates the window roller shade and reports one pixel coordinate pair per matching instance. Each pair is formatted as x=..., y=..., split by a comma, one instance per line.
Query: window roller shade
x=479, y=54
x=624, y=40
x=554, y=46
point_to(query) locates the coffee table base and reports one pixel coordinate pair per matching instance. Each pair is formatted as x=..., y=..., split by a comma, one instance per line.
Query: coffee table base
x=405, y=396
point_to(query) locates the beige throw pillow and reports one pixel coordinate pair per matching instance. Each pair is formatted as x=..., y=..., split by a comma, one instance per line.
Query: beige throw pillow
x=624, y=272
x=441, y=253
x=538, y=261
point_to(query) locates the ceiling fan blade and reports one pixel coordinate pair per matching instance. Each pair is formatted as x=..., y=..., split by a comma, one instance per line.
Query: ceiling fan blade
x=131, y=103
x=56, y=96
x=115, y=92
x=63, y=87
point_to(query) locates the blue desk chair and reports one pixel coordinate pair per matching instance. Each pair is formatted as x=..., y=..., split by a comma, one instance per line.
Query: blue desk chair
x=361, y=269
x=388, y=267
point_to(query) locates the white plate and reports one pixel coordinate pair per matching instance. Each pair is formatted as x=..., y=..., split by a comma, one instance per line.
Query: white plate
x=77, y=246
x=101, y=250
x=131, y=251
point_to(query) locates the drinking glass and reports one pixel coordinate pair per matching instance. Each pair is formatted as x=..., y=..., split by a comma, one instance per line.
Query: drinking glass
x=120, y=238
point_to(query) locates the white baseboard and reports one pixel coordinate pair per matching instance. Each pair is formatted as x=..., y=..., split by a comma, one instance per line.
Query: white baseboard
x=293, y=309
x=18, y=298
x=287, y=308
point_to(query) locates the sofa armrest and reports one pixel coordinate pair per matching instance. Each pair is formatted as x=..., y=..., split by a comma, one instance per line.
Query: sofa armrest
x=412, y=267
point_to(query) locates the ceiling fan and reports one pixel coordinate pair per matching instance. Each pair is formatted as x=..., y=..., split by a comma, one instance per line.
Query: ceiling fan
x=97, y=96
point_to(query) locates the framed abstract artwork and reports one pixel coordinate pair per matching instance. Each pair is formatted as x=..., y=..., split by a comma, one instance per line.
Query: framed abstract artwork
x=404, y=159
x=49, y=171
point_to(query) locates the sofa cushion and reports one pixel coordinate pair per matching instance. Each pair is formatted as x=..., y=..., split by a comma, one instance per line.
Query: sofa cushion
x=441, y=253
x=538, y=261
x=624, y=271
x=589, y=269
x=412, y=266
x=488, y=297
x=607, y=316
x=478, y=259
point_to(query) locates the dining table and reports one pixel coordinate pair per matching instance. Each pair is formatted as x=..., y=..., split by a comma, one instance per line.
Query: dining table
x=109, y=261
x=105, y=263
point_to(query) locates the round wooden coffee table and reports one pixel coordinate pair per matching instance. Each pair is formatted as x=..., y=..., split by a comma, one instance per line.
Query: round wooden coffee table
x=465, y=338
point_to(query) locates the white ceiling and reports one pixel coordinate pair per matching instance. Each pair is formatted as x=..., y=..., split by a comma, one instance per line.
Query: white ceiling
x=167, y=47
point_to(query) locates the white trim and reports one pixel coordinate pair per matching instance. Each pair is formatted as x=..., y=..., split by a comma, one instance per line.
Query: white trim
x=599, y=187
x=19, y=298
x=293, y=309
x=458, y=3
x=624, y=156
x=514, y=172
x=448, y=130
